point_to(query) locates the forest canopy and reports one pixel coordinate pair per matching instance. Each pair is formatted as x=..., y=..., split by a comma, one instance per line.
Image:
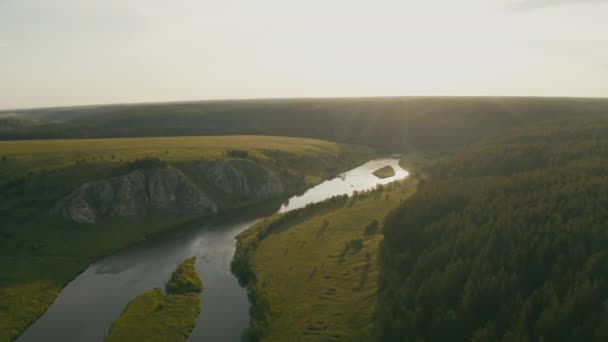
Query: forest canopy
x=507, y=242
x=387, y=123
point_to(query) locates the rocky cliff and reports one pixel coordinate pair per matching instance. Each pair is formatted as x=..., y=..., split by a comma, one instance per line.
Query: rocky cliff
x=133, y=194
x=241, y=177
x=166, y=189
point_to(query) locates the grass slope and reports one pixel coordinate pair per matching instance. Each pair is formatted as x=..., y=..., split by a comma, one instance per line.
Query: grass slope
x=155, y=316
x=314, y=276
x=185, y=279
x=39, y=255
x=36, y=155
x=385, y=172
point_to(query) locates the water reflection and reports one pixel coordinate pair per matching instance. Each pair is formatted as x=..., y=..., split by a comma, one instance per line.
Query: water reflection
x=86, y=308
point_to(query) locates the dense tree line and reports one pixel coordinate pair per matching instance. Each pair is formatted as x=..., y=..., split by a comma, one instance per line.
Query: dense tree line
x=386, y=123
x=509, y=241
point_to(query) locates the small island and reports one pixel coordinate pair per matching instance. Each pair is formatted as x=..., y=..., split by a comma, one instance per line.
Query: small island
x=158, y=316
x=385, y=172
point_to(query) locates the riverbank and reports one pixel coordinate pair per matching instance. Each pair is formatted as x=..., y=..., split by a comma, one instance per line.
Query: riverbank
x=312, y=272
x=41, y=255
x=158, y=316
x=110, y=284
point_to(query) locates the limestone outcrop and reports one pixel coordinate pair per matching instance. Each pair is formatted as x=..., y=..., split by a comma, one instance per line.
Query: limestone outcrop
x=165, y=189
x=135, y=193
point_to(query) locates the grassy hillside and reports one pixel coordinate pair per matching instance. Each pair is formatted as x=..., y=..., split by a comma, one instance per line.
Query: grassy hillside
x=388, y=123
x=41, y=254
x=156, y=316
x=37, y=155
x=506, y=243
x=312, y=273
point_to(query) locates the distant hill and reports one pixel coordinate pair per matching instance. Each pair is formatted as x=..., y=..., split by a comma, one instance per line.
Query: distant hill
x=57, y=114
x=387, y=123
x=9, y=123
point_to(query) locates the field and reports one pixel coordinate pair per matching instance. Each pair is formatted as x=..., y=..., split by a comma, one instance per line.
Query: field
x=39, y=254
x=315, y=278
x=49, y=154
x=156, y=316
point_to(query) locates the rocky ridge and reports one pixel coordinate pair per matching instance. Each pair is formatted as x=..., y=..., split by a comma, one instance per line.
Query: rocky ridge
x=167, y=189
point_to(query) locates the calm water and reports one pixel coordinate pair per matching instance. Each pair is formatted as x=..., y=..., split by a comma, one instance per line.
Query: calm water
x=86, y=308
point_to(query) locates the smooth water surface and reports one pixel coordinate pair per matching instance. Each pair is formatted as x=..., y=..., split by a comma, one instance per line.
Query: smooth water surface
x=86, y=307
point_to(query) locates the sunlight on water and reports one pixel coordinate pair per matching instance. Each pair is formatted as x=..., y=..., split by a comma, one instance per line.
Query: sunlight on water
x=86, y=308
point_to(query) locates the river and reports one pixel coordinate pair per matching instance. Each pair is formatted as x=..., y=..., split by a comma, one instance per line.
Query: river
x=87, y=306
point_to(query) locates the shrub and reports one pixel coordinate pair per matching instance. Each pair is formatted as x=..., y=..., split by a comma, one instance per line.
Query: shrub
x=371, y=228
x=147, y=163
x=185, y=278
x=353, y=246
x=237, y=153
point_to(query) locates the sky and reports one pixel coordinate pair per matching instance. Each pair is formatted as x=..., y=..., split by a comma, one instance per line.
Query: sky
x=78, y=52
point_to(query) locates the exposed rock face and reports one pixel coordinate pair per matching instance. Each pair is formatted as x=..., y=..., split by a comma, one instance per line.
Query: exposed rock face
x=243, y=178
x=169, y=190
x=134, y=194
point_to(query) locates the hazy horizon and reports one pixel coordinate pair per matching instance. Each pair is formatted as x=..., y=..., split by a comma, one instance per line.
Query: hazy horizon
x=71, y=53
x=17, y=109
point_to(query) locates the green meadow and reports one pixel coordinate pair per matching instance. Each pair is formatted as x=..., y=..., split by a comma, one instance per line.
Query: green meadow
x=36, y=155
x=40, y=254
x=313, y=273
x=158, y=316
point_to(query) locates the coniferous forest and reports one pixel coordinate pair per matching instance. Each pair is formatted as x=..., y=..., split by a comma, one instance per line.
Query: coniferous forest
x=507, y=242
x=360, y=171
